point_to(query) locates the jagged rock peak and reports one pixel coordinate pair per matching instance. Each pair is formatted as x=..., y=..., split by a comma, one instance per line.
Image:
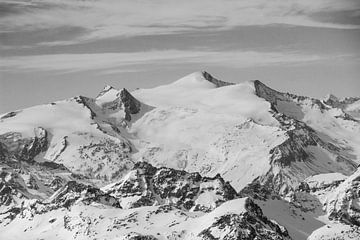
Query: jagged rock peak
x=215, y=81
x=131, y=104
x=273, y=97
x=331, y=97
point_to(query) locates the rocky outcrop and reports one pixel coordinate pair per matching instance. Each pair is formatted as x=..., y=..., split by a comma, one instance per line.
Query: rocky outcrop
x=24, y=149
x=299, y=136
x=250, y=224
x=274, y=97
x=216, y=82
x=335, y=102
x=343, y=203
x=4, y=154
x=65, y=197
x=146, y=185
x=74, y=191
x=8, y=195
x=130, y=104
x=9, y=115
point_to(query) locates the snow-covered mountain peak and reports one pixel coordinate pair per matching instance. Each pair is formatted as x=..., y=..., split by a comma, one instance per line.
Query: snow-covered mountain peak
x=196, y=93
x=193, y=81
x=105, y=90
x=201, y=79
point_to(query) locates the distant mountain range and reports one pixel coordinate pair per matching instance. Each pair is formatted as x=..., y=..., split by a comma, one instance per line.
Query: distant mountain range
x=199, y=158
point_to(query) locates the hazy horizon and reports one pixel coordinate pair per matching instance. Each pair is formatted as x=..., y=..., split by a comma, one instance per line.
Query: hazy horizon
x=52, y=50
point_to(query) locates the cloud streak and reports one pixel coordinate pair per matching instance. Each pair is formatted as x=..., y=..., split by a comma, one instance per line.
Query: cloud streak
x=106, y=63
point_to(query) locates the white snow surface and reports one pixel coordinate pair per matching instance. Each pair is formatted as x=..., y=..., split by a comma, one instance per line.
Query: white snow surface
x=325, y=179
x=98, y=221
x=198, y=127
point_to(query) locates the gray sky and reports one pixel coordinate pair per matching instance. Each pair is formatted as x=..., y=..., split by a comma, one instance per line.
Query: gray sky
x=55, y=49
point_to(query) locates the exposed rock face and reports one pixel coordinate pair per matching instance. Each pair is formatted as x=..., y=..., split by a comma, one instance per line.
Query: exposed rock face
x=137, y=236
x=73, y=192
x=343, y=203
x=333, y=101
x=22, y=180
x=9, y=115
x=4, y=154
x=146, y=185
x=86, y=102
x=131, y=104
x=216, y=82
x=70, y=194
x=8, y=195
x=251, y=224
x=24, y=149
x=106, y=89
x=275, y=97
x=299, y=136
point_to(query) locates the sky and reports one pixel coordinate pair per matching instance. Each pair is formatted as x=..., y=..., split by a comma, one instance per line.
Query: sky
x=56, y=49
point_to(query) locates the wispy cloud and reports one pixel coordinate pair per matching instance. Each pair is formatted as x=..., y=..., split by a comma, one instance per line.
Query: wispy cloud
x=105, y=63
x=122, y=18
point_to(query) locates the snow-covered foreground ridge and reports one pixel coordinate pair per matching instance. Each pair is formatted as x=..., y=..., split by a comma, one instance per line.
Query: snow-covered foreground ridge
x=291, y=154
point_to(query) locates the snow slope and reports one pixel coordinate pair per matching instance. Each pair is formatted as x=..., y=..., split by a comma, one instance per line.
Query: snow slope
x=83, y=133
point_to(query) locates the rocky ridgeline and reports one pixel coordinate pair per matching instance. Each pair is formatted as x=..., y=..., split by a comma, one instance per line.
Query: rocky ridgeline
x=251, y=224
x=216, y=82
x=333, y=101
x=73, y=192
x=274, y=97
x=146, y=185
